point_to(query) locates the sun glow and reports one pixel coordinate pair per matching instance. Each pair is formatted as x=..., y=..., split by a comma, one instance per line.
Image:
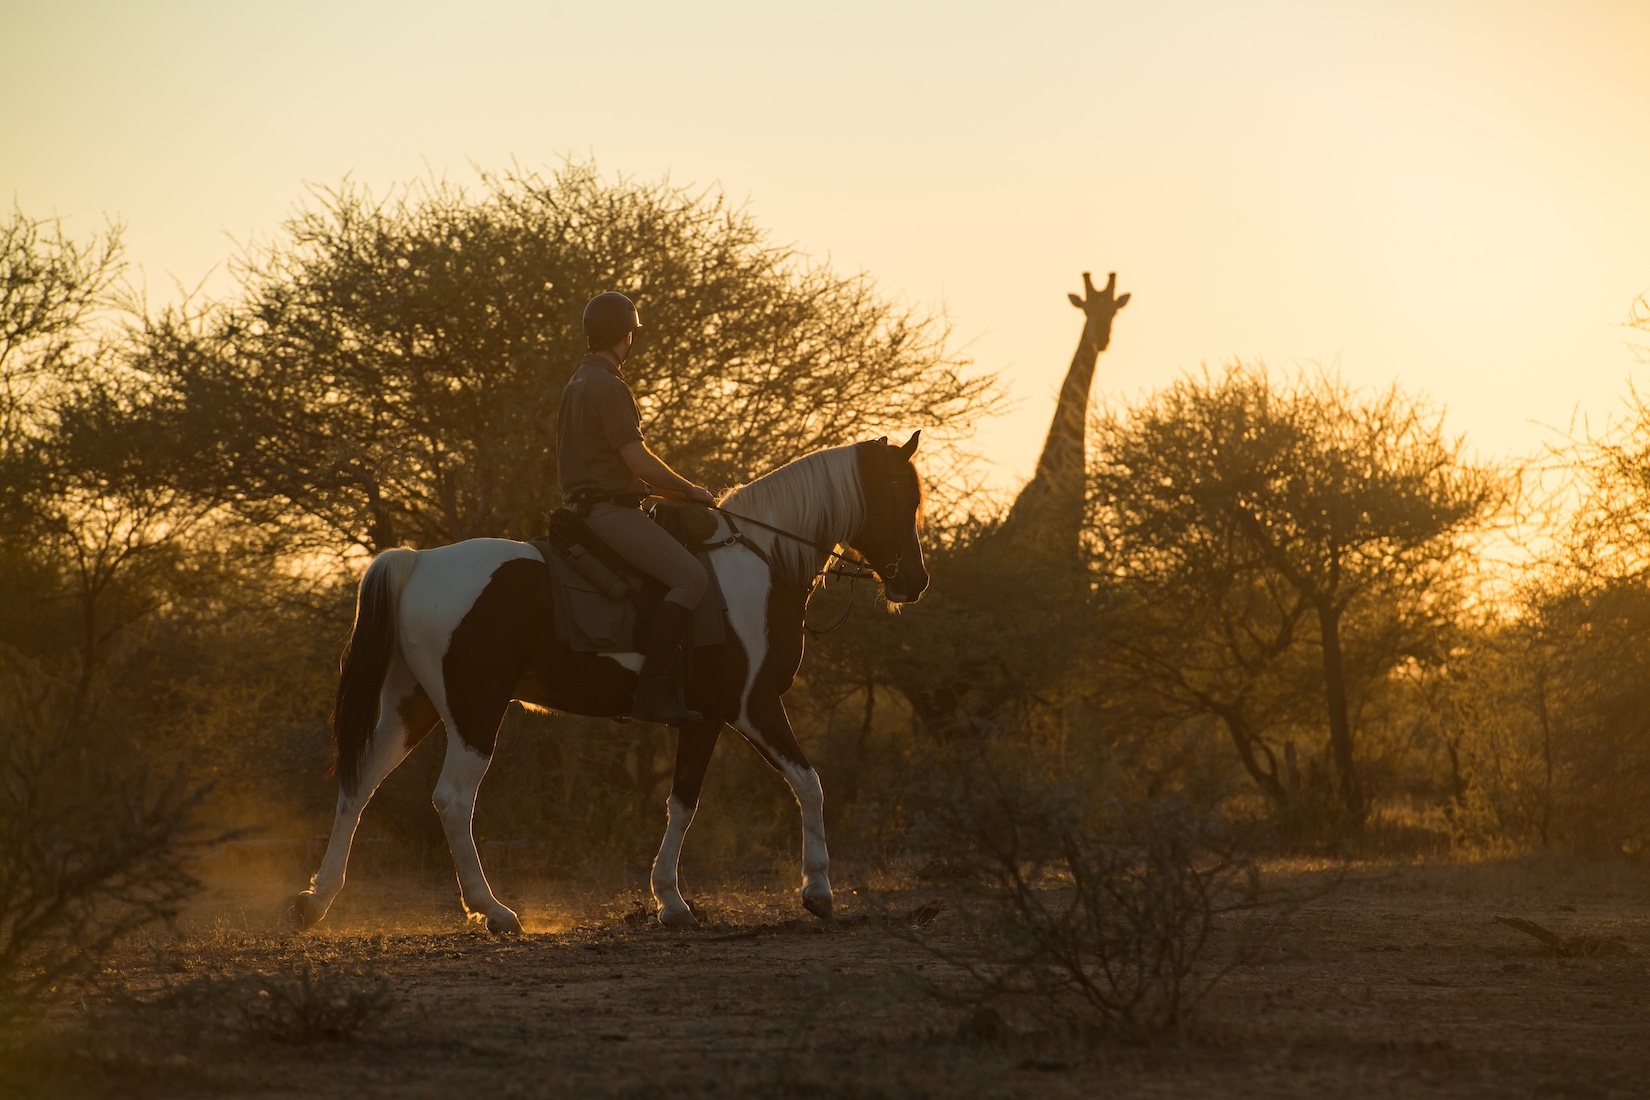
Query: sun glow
x=1450, y=195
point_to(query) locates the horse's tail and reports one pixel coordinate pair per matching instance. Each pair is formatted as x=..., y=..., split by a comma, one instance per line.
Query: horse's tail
x=367, y=661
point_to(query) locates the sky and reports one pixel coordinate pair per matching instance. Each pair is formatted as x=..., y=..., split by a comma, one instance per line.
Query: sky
x=1451, y=195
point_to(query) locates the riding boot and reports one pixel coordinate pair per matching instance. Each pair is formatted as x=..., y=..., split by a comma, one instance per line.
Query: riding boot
x=659, y=687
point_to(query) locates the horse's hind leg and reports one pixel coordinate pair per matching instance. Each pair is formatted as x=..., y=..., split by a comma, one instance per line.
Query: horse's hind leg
x=405, y=716
x=693, y=748
x=766, y=726
x=470, y=744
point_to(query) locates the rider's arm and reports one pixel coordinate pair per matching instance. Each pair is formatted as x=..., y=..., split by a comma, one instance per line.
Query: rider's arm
x=651, y=469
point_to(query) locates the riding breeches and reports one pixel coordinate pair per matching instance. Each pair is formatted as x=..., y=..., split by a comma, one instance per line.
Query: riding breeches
x=647, y=546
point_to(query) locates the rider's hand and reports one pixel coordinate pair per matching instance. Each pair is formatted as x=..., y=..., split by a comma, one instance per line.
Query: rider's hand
x=700, y=495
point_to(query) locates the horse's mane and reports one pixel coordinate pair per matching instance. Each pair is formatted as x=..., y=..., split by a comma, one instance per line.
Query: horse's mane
x=817, y=496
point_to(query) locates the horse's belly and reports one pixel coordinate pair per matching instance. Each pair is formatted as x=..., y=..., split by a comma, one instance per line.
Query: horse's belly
x=577, y=683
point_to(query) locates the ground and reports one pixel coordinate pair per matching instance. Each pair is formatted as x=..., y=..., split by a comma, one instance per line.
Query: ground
x=1396, y=981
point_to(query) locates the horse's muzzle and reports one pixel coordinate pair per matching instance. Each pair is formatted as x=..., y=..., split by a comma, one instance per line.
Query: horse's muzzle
x=904, y=588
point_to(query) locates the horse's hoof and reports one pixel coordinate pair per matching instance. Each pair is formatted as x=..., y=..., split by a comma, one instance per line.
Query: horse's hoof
x=306, y=912
x=504, y=924
x=819, y=906
x=679, y=919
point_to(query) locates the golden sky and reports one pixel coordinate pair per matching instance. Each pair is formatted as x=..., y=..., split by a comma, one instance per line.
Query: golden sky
x=1454, y=195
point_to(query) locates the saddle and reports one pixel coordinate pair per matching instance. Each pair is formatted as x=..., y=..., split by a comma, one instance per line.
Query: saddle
x=603, y=604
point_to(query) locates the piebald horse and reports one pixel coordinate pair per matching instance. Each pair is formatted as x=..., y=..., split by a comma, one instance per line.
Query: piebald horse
x=450, y=636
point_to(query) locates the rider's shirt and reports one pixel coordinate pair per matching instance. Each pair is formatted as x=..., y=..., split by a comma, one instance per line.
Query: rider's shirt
x=598, y=415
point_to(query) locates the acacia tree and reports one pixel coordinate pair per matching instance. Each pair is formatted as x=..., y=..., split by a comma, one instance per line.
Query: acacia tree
x=391, y=369
x=50, y=286
x=997, y=645
x=1240, y=510
x=1560, y=746
x=1210, y=630
x=91, y=839
x=90, y=544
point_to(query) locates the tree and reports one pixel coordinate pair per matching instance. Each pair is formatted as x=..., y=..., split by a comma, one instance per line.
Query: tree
x=1638, y=317
x=93, y=843
x=391, y=369
x=1238, y=511
x=996, y=646
x=50, y=287
x=1559, y=744
x=89, y=543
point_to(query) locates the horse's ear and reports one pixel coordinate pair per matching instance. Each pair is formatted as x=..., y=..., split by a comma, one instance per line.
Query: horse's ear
x=882, y=439
x=910, y=447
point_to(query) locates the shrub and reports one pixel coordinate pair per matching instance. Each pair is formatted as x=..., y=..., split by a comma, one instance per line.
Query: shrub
x=1101, y=916
x=93, y=846
x=304, y=1007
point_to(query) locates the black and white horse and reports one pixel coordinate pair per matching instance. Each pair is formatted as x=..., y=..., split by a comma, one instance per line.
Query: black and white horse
x=450, y=636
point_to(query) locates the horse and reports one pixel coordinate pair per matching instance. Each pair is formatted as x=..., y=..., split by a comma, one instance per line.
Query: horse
x=451, y=635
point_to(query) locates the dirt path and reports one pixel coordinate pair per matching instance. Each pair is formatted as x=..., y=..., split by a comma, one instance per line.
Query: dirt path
x=1397, y=983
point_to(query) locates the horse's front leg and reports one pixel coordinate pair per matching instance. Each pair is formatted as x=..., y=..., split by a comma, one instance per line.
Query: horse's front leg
x=767, y=727
x=693, y=748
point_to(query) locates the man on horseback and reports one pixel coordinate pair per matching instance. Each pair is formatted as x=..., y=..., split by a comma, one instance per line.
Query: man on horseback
x=606, y=471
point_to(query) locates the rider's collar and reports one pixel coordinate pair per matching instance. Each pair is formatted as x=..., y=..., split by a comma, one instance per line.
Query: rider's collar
x=602, y=361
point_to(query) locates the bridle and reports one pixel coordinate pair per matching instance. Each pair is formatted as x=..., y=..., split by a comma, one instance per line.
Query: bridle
x=836, y=564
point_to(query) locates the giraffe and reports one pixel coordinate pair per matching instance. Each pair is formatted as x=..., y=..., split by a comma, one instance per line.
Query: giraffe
x=1009, y=591
x=1050, y=507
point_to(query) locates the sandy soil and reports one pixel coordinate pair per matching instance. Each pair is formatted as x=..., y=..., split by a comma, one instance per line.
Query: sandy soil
x=1398, y=982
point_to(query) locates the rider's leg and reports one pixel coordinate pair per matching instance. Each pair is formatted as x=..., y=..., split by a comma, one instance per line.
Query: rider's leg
x=647, y=546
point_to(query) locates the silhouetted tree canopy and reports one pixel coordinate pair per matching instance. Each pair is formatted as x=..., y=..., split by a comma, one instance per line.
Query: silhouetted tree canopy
x=1247, y=517
x=51, y=288
x=88, y=545
x=391, y=370
x=998, y=642
x=1555, y=704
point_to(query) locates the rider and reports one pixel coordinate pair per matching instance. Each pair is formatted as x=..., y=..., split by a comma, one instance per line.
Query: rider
x=606, y=470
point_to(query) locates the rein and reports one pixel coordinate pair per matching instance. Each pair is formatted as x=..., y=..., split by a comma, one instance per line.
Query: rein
x=859, y=572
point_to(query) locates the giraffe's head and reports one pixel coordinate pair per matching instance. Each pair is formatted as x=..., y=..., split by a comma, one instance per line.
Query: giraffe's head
x=1099, y=306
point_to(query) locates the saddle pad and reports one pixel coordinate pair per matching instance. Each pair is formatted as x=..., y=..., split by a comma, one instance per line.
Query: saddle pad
x=588, y=621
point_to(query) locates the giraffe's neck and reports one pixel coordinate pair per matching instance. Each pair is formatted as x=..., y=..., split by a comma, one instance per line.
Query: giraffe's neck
x=1052, y=501
x=1061, y=463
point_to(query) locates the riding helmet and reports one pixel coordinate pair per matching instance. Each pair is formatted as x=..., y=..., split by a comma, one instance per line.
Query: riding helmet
x=607, y=318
